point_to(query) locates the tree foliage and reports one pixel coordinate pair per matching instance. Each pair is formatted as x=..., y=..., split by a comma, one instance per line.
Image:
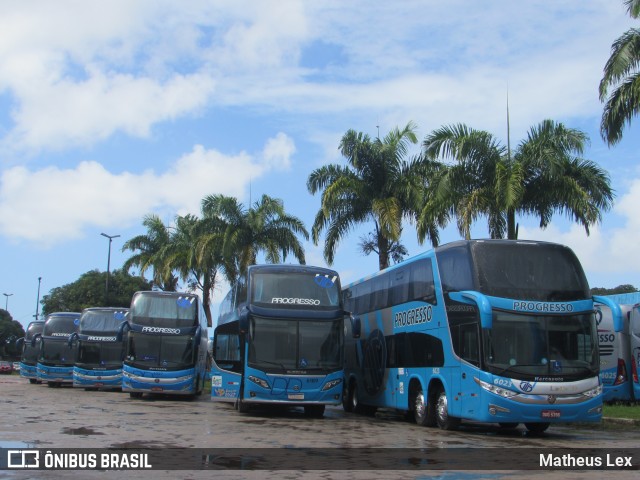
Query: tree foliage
x=626, y=288
x=377, y=185
x=89, y=291
x=10, y=331
x=545, y=175
x=620, y=85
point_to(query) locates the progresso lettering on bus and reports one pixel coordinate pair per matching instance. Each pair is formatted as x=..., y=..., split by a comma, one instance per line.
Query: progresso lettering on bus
x=414, y=316
x=174, y=331
x=101, y=339
x=295, y=301
x=543, y=307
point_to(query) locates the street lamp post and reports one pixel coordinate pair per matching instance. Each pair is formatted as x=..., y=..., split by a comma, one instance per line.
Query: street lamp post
x=38, y=299
x=6, y=304
x=106, y=292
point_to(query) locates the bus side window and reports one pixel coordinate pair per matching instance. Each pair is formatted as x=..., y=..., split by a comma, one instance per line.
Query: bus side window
x=422, y=284
x=468, y=349
x=399, y=286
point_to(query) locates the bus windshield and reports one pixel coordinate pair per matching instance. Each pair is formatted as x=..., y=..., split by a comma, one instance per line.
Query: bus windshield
x=157, y=310
x=101, y=321
x=100, y=353
x=278, y=345
x=295, y=290
x=531, y=347
x=58, y=352
x=171, y=352
x=33, y=329
x=58, y=325
x=528, y=272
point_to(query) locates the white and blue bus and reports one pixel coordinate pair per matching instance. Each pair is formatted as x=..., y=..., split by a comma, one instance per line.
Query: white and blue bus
x=100, y=348
x=279, y=340
x=166, y=348
x=29, y=355
x=616, y=361
x=634, y=333
x=56, y=357
x=493, y=331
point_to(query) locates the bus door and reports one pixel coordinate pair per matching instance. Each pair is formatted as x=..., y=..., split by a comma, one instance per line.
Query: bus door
x=465, y=339
x=226, y=367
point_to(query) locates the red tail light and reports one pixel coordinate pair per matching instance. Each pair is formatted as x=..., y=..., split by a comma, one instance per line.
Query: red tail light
x=634, y=371
x=621, y=375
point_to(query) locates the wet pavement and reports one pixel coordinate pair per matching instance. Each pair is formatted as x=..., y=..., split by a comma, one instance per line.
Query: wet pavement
x=35, y=416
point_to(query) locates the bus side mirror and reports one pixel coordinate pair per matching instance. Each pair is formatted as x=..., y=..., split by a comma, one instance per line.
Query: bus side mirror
x=35, y=338
x=356, y=326
x=198, y=336
x=124, y=326
x=19, y=343
x=73, y=337
x=243, y=321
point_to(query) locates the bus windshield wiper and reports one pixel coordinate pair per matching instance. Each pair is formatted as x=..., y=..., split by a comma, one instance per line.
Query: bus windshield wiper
x=277, y=364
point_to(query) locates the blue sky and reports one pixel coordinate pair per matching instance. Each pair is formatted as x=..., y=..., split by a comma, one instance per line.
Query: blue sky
x=113, y=110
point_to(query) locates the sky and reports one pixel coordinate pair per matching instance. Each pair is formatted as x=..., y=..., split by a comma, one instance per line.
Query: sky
x=110, y=111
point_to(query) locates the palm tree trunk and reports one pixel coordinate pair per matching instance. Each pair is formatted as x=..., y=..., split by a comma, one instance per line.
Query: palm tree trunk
x=512, y=228
x=383, y=252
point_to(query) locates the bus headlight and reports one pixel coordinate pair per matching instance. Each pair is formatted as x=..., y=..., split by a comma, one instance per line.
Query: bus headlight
x=503, y=392
x=258, y=381
x=329, y=385
x=594, y=392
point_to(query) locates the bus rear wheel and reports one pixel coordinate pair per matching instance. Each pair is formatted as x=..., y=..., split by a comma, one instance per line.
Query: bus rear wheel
x=537, y=428
x=32, y=380
x=135, y=394
x=443, y=419
x=423, y=410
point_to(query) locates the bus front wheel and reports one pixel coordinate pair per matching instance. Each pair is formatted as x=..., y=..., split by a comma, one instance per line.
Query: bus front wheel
x=346, y=397
x=135, y=394
x=443, y=419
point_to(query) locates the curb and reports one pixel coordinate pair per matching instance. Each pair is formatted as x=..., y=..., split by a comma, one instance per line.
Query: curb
x=621, y=421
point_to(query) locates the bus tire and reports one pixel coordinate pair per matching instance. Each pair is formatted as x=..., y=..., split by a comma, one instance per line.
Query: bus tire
x=354, y=402
x=423, y=411
x=537, y=428
x=314, y=411
x=135, y=394
x=243, y=407
x=32, y=381
x=443, y=419
x=508, y=425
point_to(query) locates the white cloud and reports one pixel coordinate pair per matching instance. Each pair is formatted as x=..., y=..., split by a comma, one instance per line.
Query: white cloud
x=50, y=205
x=608, y=254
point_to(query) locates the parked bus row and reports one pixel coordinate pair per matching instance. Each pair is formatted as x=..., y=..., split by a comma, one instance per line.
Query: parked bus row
x=158, y=345
x=619, y=353
x=491, y=331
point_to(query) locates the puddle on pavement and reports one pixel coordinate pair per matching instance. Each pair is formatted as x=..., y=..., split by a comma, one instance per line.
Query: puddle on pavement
x=80, y=431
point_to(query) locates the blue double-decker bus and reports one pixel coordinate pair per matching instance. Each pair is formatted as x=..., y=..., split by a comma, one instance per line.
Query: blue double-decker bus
x=491, y=331
x=279, y=340
x=56, y=357
x=29, y=355
x=100, y=347
x=166, y=349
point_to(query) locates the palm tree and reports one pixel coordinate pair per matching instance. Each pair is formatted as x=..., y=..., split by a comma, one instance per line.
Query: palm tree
x=196, y=264
x=545, y=175
x=150, y=248
x=621, y=73
x=377, y=185
x=243, y=234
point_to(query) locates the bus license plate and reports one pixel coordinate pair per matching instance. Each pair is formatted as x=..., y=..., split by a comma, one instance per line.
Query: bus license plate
x=551, y=414
x=156, y=389
x=296, y=396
